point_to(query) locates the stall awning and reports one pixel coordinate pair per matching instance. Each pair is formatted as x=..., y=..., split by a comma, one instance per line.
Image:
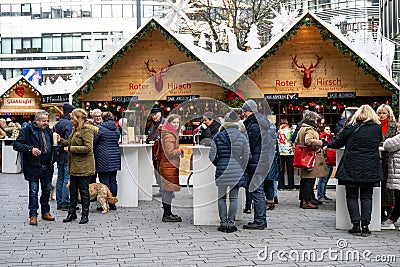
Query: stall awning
x=16, y=111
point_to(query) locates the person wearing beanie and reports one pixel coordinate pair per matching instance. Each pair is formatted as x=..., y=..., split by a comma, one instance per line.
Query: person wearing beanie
x=153, y=137
x=208, y=128
x=229, y=153
x=64, y=128
x=261, y=134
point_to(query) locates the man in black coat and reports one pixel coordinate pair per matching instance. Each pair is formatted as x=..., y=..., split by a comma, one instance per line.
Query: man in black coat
x=35, y=143
x=261, y=134
x=64, y=129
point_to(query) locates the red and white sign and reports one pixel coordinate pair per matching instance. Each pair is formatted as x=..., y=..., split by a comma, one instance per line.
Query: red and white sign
x=22, y=102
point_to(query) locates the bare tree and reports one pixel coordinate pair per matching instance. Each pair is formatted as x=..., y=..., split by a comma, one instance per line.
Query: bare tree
x=238, y=15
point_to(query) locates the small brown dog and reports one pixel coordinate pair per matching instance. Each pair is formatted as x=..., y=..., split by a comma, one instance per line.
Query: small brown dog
x=103, y=195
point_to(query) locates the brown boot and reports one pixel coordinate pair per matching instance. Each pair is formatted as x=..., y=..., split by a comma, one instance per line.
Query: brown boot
x=270, y=205
x=47, y=217
x=309, y=205
x=33, y=220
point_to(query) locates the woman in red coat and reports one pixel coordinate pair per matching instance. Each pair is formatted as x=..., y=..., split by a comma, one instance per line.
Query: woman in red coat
x=169, y=164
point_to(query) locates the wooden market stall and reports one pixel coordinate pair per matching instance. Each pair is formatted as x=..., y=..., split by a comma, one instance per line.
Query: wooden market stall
x=19, y=101
x=311, y=65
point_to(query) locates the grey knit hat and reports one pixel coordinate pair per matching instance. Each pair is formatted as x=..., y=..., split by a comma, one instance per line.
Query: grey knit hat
x=250, y=105
x=231, y=116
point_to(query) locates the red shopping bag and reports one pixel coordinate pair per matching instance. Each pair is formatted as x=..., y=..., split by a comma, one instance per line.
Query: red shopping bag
x=304, y=157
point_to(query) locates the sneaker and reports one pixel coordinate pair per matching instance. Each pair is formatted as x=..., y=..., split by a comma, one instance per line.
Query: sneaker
x=388, y=226
x=327, y=198
x=248, y=211
x=276, y=200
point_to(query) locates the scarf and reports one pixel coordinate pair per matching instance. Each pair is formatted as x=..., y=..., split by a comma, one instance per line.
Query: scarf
x=384, y=124
x=311, y=123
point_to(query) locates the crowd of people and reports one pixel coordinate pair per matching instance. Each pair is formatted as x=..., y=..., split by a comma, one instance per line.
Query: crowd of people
x=247, y=149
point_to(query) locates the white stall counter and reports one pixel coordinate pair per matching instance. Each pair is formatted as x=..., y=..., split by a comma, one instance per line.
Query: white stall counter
x=205, y=196
x=136, y=178
x=342, y=214
x=10, y=161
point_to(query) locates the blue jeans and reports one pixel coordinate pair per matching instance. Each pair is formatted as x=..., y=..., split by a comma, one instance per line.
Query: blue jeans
x=62, y=192
x=269, y=189
x=45, y=184
x=226, y=217
x=323, y=182
x=110, y=180
x=258, y=197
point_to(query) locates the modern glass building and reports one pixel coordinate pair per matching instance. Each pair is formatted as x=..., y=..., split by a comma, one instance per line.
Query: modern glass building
x=55, y=36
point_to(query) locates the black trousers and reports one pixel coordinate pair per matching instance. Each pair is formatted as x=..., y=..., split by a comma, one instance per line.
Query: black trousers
x=81, y=183
x=307, y=188
x=288, y=162
x=353, y=194
x=396, y=211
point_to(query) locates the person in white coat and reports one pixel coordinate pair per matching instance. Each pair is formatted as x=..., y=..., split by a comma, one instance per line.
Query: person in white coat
x=392, y=145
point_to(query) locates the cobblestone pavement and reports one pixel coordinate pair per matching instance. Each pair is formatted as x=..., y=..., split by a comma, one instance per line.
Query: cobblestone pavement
x=137, y=237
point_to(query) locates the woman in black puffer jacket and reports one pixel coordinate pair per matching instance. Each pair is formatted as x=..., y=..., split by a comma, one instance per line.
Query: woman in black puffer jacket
x=360, y=169
x=229, y=153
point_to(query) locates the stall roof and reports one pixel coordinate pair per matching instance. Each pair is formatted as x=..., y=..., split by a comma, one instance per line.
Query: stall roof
x=372, y=61
x=11, y=82
x=233, y=65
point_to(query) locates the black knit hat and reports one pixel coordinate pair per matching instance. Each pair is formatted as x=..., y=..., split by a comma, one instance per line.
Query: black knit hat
x=67, y=108
x=155, y=110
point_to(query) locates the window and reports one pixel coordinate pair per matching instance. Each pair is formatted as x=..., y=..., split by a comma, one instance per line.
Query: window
x=76, y=42
x=85, y=45
x=15, y=10
x=36, y=45
x=57, y=43
x=46, y=11
x=67, y=12
x=26, y=45
x=86, y=11
x=128, y=11
x=26, y=9
x=47, y=43
x=6, y=46
x=16, y=45
x=76, y=11
x=5, y=10
x=106, y=11
x=36, y=11
x=56, y=12
x=117, y=11
x=67, y=42
x=96, y=11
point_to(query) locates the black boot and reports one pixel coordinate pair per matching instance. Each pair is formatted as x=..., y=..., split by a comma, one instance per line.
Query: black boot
x=71, y=215
x=355, y=230
x=85, y=216
x=364, y=229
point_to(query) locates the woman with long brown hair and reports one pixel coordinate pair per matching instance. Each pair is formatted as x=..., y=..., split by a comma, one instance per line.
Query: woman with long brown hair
x=169, y=164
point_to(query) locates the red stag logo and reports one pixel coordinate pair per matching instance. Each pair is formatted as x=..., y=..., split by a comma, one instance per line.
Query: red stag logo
x=158, y=81
x=307, y=71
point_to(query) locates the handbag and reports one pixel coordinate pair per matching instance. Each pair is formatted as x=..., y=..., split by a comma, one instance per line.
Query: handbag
x=304, y=157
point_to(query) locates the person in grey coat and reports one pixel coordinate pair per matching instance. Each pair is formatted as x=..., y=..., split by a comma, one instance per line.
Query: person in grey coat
x=392, y=146
x=229, y=153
